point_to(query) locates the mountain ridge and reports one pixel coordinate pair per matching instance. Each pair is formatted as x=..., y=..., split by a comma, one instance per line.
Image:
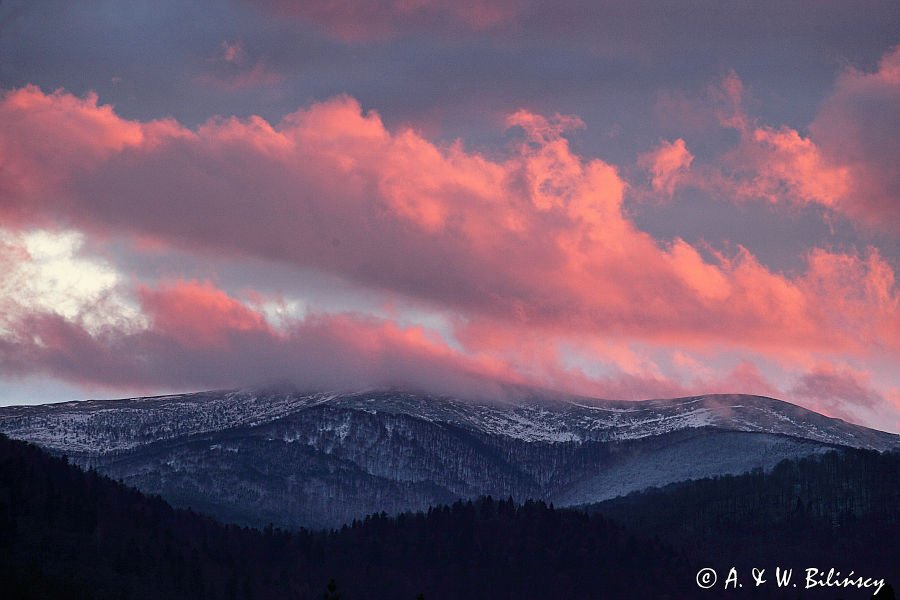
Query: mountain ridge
x=324, y=458
x=545, y=418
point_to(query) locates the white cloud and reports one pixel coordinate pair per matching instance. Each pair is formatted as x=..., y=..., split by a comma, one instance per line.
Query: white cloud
x=51, y=273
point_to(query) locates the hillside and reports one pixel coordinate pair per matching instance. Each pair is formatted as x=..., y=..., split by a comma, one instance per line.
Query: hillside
x=320, y=460
x=66, y=533
x=836, y=510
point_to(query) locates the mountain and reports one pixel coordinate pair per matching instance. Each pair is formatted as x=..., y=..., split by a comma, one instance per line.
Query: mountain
x=322, y=459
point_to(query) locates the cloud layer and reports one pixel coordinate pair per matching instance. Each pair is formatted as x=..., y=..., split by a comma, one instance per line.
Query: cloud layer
x=523, y=252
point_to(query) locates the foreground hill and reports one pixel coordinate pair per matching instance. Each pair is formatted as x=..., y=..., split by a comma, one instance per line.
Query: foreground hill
x=296, y=459
x=837, y=510
x=65, y=533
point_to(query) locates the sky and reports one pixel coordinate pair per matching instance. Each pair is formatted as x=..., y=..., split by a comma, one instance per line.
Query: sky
x=620, y=199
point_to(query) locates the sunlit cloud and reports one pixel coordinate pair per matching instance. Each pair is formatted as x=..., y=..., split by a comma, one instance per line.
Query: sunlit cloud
x=466, y=265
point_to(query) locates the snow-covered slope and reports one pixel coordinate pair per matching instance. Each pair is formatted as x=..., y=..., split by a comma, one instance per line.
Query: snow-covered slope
x=292, y=458
x=107, y=426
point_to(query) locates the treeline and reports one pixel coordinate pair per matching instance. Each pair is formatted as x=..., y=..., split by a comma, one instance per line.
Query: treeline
x=840, y=509
x=66, y=533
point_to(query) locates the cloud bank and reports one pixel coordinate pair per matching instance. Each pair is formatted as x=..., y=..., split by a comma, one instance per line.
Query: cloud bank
x=523, y=262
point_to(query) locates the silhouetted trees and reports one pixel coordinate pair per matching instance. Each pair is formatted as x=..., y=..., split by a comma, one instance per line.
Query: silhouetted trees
x=66, y=533
x=840, y=509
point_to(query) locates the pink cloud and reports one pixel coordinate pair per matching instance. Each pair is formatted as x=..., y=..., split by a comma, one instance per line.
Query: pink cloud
x=785, y=165
x=198, y=314
x=233, y=345
x=856, y=128
x=529, y=256
x=846, y=161
x=200, y=337
x=745, y=378
x=776, y=164
x=535, y=239
x=191, y=334
x=668, y=164
x=836, y=390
